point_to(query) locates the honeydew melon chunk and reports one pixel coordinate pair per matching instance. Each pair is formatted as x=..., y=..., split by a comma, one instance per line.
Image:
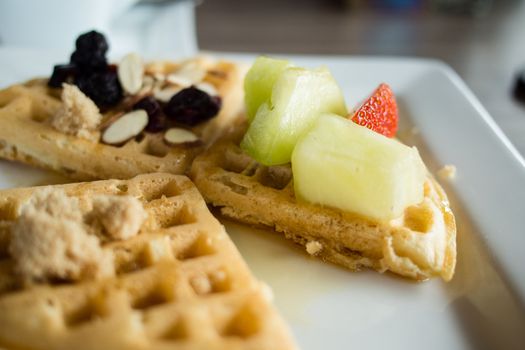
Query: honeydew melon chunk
x=299, y=97
x=344, y=165
x=259, y=82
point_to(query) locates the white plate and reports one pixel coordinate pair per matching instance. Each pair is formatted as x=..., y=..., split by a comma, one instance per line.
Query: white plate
x=330, y=308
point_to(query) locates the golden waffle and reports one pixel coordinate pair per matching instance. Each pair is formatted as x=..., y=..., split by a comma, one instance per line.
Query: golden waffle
x=179, y=284
x=26, y=136
x=419, y=245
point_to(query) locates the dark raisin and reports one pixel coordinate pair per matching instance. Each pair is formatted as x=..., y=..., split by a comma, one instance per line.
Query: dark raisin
x=90, y=53
x=88, y=62
x=156, y=119
x=157, y=123
x=149, y=104
x=92, y=40
x=192, y=106
x=62, y=73
x=102, y=87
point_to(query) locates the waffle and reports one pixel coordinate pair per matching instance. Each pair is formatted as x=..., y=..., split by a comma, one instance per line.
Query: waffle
x=179, y=284
x=26, y=136
x=419, y=245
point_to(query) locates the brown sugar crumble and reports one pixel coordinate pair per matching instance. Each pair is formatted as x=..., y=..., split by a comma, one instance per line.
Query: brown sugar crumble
x=78, y=114
x=120, y=216
x=447, y=172
x=314, y=247
x=50, y=241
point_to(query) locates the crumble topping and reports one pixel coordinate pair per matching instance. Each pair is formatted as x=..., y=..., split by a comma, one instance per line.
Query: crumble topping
x=50, y=241
x=314, y=247
x=120, y=216
x=448, y=172
x=78, y=115
x=55, y=203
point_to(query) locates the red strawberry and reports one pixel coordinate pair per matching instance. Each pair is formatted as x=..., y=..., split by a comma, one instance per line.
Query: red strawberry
x=379, y=112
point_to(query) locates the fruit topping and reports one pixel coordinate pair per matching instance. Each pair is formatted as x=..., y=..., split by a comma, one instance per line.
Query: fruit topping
x=259, y=82
x=192, y=106
x=207, y=88
x=62, y=73
x=298, y=97
x=130, y=73
x=90, y=71
x=346, y=166
x=165, y=94
x=156, y=118
x=180, y=98
x=150, y=105
x=157, y=123
x=178, y=136
x=90, y=53
x=178, y=80
x=102, y=87
x=379, y=112
x=188, y=74
x=126, y=127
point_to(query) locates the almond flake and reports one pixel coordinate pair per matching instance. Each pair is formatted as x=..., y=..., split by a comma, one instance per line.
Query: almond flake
x=207, y=88
x=188, y=74
x=148, y=81
x=126, y=127
x=159, y=77
x=148, y=84
x=178, y=136
x=130, y=73
x=164, y=95
x=179, y=80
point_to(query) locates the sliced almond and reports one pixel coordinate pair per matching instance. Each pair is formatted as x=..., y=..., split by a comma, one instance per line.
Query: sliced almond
x=110, y=119
x=178, y=136
x=207, y=88
x=148, y=84
x=161, y=67
x=179, y=80
x=159, y=77
x=126, y=127
x=155, y=67
x=165, y=94
x=148, y=81
x=188, y=74
x=130, y=73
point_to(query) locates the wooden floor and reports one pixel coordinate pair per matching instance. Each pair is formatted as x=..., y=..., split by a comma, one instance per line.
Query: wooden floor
x=486, y=50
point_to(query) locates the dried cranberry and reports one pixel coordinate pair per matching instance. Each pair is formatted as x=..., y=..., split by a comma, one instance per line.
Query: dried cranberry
x=192, y=106
x=102, y=87
x=156, y=119
x=90, y=53
x=62, y=73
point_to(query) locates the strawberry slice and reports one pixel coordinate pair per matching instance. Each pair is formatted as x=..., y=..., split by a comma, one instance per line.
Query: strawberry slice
x=378, y=112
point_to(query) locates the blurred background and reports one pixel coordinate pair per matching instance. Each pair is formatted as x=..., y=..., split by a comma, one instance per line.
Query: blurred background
x=482, y=40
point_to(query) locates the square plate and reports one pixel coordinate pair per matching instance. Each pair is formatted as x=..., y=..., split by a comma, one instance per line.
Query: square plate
x=328, y=307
